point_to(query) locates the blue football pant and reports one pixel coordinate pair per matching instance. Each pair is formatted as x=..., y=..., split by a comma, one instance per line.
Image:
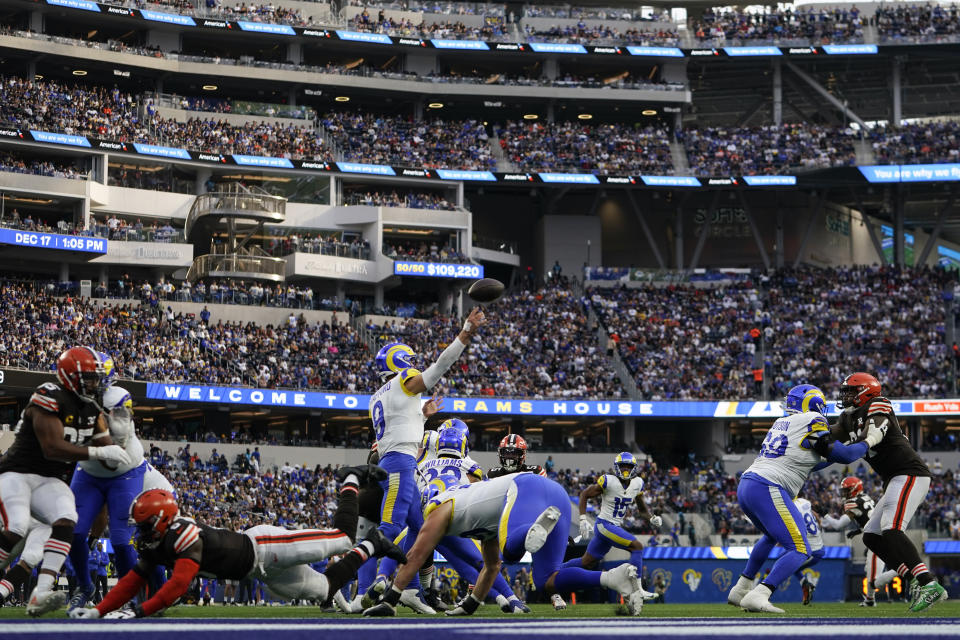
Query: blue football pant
x=771, y=510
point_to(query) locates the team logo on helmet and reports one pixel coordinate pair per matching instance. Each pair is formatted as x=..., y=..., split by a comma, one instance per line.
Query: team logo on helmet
x=625, y=464
x=394, y=358
x=805, y=397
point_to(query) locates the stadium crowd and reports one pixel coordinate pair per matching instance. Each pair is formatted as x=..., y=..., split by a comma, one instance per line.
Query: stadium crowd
x=918, y=143
x=411, y=200
x=582, y=33
x=14, y=163
x=713, y=151
x=364, y=21
x=537, y=344
x=576, y=147
x=816, y=25
x=684, y=342
x=927, y=22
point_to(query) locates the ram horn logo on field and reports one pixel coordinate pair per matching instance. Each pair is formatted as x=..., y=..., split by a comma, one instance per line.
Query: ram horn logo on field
x=722, y=578
x=691, y=577
x=663, y=573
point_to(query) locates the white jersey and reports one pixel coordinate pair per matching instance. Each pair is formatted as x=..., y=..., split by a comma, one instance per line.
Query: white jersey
x=131, y=444
x=397, y=416
x=782, y=460
x=153, y=479
x=616, y=499
x=476, y=507
x=814, y=536
x=461, y=468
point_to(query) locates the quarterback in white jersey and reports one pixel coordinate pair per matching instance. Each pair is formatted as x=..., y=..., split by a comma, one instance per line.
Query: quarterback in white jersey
x=513, y=514
x=398, y=416
x=795, y=444
x=618, y=492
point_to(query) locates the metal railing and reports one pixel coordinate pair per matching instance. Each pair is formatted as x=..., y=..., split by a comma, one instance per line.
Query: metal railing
x=237, y=201
x=237, y=265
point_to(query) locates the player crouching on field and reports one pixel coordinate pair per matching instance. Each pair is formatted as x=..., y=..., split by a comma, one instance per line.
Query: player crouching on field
x=278, y=556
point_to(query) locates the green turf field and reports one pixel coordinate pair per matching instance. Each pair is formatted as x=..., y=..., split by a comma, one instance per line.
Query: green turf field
x=816, y=610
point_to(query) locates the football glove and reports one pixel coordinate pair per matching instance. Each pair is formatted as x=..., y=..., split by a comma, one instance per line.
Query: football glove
x=874, y=433
x=656, y=521
x=110, y=453
x=81, y=613
x=586, y=529
x=466, y=607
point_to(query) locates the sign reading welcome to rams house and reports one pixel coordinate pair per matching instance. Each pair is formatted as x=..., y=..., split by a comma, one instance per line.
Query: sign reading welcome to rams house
x=614, y=408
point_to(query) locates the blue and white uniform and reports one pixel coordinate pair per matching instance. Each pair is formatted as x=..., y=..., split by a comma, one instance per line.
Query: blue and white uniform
x=794, y=445
x=94, y=485
x=616, y=498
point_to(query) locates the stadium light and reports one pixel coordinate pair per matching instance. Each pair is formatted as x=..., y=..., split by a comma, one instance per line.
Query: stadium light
x=79, y=72
x=585, y=116
x=435, y=105
x=342, y=98
x=38, y=77
x=649, y=112
x=530, y=116
x=209, y=87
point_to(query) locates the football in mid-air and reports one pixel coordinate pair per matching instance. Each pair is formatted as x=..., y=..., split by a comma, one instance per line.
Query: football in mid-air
x=485, y=290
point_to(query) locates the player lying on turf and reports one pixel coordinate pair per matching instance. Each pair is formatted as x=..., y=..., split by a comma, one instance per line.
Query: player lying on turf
x=794, y=445
x=512, y=515
x=278, y=556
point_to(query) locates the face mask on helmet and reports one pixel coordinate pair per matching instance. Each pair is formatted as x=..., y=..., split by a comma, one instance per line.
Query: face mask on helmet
x=848, y=396
x=626, y=470
x=147, y=537
x=511, y=458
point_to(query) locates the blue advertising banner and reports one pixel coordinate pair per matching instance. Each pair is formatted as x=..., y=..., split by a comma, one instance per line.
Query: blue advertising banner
x=515, y=406
x=52, y=241
x=437, y=270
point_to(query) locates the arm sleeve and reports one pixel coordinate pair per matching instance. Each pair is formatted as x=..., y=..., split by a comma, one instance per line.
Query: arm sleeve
x=835, y=451
x=829, y=522
x=183, y=572
x=435, y=371
x=122, y=592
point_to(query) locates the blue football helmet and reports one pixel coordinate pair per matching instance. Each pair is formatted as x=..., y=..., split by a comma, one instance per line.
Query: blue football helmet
x=625, y=464
x=435, y=487
x=393, y=358
x=452, y=440
x=803, y=398
x=109, y=368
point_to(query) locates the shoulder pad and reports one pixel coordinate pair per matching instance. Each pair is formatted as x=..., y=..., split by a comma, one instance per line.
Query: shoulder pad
x=405, y=375
x=879, y=406
x=187, y=534
x=602, y=481
x=48, y=396
x=819, y=423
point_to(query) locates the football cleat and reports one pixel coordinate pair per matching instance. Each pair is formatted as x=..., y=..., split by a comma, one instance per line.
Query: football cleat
x=432, y=598
x=928, y=596
x=382, y=610
x=635, y=602
x=42, y=602
x=411, y=598
x=540, y=530
x=366, y=473
x=356, y=605
x=742, y=588
x=80, y=598
x=808, y=590
x=913, y=593
x=622, y=579
x=557, y=602
x=647, y=595
x=518, y=605
x=383, y=546
x=758, y=601
x=341, y=602
x=868, y=602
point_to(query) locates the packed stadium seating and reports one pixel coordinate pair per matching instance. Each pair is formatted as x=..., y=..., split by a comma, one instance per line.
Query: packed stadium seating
x=814, y=25
x=687, y=342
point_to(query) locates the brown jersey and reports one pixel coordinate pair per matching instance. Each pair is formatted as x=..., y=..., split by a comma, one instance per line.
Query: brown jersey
x=79, y=420
x=893, y=456
x=859, y=509
x=225, y=554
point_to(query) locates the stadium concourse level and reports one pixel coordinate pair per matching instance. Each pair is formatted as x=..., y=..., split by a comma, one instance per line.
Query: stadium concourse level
x=53, y=168
x=492, y=30
x=683, y=342
x=411, y=200
x=438, y=143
